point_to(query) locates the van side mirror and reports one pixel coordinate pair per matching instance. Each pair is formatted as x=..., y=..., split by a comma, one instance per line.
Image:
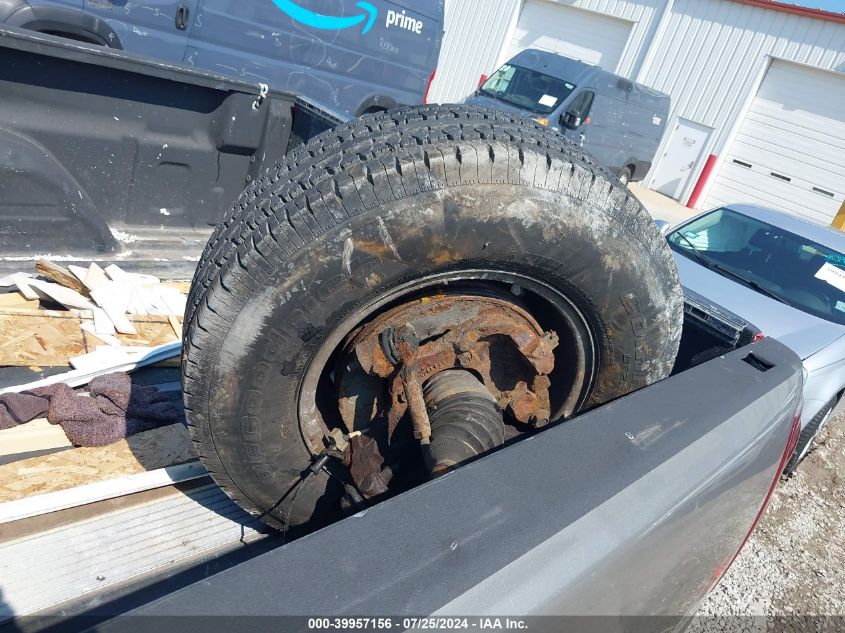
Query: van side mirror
x=570, y=121
x=662, y=226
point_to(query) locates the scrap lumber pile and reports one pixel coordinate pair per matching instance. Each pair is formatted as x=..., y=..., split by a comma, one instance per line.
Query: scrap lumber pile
x=71, y=333
x=100, y=313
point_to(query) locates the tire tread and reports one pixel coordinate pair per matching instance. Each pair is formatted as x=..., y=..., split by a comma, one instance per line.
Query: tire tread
x=355, y=167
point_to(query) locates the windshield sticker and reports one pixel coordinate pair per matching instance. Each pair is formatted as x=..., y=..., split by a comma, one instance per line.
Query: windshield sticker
x=832, y=275
x=840, y=306
x=548, y=101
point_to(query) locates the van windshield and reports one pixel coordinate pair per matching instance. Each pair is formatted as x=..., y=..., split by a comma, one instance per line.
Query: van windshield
x=526, y=88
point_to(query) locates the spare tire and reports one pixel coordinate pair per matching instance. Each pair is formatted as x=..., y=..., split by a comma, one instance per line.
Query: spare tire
x=417, y=200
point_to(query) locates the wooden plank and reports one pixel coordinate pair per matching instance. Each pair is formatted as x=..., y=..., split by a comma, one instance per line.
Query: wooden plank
x=8, y=281
x=59, y=274
x=106, y=355
x=176, y=325
x=40, y=339
x=79, y=272
x=77, y=377
x=37, y=435
x=148, y=333
x=78, y=314
x=142, y=452
x=116, y=273
x=114, y=298
x=17, y=300
x=65, y=296
x=25, y=289
x=108, y=339
x=56, y=314
x=96, y=277
x=174, y=300
x=99, y=491
x=182, y=286
x=102, y=322
x=33, y=436
x=49, y=338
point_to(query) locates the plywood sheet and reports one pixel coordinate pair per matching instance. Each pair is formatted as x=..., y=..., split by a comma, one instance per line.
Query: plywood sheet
x=182, y=286
x=17, y=300
x=49, y=338
x=40, y=339
x=145, y=451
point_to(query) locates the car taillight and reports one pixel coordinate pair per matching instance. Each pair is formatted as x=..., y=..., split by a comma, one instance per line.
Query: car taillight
x=791, y=443
x=428, y=85
x=758, y=336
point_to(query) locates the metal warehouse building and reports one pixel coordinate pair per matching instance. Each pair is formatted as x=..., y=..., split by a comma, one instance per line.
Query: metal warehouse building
x=757, y=87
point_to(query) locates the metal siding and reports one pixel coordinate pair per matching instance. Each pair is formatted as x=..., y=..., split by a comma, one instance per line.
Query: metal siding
x=594, y=38
x=475, y=32
x=643, y=13
x=795, y=128
x=714, y=51
x=477, y=35
x=710, y=58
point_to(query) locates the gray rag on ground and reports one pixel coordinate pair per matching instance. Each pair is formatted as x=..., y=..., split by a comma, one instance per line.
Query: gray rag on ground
x=114, y=410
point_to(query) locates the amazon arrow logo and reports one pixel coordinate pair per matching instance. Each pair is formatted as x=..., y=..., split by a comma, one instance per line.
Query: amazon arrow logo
x=330, y=22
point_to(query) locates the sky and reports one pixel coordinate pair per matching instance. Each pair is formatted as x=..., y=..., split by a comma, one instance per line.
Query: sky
x=837, y=6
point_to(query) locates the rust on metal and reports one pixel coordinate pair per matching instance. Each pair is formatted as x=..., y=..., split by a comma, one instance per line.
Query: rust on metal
x=387, y=362
x=366, y=466
x=406, y=343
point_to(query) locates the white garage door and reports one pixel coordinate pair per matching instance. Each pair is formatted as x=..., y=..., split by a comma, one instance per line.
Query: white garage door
x=789, y=153
x=585, y=35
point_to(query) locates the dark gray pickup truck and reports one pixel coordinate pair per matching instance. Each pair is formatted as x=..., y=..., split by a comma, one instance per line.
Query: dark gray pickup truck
x=106, y=156
x=439, y=349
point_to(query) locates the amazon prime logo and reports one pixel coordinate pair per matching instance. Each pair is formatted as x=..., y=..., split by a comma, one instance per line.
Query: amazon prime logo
x=403, y=21
x=366, y=16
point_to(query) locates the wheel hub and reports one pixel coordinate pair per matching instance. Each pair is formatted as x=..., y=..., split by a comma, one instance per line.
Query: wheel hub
x=386, y=364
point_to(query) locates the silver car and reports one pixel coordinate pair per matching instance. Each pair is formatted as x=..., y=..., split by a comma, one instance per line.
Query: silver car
x=786, y=276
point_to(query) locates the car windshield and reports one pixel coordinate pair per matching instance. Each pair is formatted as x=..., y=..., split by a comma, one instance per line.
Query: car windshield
x=526, y=88
x=777, y=263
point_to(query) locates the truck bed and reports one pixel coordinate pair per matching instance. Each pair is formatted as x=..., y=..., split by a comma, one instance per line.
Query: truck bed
x=651, y=496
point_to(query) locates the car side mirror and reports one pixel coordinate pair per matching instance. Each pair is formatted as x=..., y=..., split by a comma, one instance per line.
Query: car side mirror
x=570, y=121
x=662, y=226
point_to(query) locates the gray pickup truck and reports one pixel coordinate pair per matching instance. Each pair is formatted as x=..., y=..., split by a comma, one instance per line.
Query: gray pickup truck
x=439, y=348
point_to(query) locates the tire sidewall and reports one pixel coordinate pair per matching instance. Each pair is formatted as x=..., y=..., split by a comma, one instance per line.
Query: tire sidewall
x=566, y=242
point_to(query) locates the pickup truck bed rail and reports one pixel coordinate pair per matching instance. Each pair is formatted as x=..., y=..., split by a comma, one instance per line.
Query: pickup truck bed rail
x=641, y=495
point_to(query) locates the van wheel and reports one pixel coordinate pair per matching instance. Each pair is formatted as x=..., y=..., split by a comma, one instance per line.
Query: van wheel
x=437, y=258
x=625, y=176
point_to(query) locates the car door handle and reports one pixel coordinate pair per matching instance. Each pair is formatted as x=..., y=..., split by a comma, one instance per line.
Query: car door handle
x=182, y=17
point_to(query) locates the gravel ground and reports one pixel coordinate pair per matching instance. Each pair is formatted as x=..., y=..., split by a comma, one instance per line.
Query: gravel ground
x=792, y=569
